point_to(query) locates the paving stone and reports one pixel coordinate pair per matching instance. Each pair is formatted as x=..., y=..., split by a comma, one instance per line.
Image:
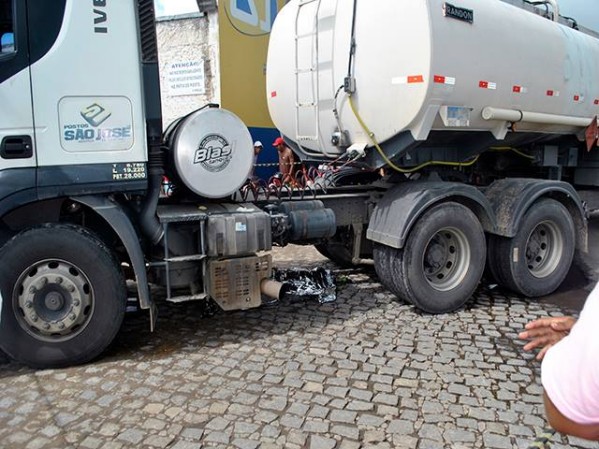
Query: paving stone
x=346, y=431
x=244, y=428
x=362, y=395
x=386, y=399
x=132, y=436
x=158, y=441
x=318, y=442
x=217, y=423
x=265, y=416
x=316, y=426
x=192, y=433
x=343, y=416
x=215, y=437
x=492, y=440
x=182, y=444
x=366, y=371
x=347, y=444
x=360, y=406
x=318, y=411
x=292, y=421
x=270, y=431
x=368, y=420
x=459, y=436
x=245, y=444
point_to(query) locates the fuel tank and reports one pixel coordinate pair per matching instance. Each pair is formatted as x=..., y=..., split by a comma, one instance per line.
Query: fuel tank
x=409, y=69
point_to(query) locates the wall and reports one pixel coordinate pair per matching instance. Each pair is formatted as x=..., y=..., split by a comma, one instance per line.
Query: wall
x=244, y=30
x=181, y=40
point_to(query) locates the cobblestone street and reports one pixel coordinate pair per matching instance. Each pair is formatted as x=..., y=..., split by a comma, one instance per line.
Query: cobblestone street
x=364, y=371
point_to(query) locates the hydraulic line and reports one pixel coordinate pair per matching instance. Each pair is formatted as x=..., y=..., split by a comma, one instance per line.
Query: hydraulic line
x=389, y=162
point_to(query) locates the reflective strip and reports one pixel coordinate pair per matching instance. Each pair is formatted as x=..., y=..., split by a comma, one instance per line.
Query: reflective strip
x=410, y=79
x=440, y=79
x=578, y=98
x=553, y=93
x=519, y=89
x=487, y=85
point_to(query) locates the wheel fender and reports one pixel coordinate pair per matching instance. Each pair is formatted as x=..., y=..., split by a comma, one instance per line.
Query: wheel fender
x=116, y=217
x=399, y=209
x=511, y=198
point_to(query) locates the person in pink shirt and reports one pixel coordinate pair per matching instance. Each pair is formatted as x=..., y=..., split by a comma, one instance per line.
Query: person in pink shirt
x=569, y=350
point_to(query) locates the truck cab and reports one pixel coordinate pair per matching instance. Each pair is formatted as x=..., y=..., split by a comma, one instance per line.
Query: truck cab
x=74, y=114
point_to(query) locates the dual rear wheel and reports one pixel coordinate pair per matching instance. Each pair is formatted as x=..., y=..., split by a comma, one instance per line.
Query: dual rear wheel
x=537, y=259
x=444, y=255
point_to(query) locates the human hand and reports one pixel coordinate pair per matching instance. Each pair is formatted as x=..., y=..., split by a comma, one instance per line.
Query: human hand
x=545, y=332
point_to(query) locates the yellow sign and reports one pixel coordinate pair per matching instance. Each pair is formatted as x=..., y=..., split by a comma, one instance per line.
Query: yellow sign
x=244, y=27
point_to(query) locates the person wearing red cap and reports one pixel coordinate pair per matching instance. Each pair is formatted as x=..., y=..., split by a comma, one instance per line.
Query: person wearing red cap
x=285, y=159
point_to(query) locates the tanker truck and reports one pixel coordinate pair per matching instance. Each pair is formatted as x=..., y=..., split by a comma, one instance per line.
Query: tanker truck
x=483, y=116
x=472, y=174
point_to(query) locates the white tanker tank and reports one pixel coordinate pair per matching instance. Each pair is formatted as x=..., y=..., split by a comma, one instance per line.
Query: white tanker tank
x=426, y=73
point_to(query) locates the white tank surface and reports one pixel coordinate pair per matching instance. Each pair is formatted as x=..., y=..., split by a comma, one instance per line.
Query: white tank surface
x=212, y=151
x=426, y=65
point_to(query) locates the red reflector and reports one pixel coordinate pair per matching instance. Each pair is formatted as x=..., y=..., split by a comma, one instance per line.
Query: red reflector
x=415, y=79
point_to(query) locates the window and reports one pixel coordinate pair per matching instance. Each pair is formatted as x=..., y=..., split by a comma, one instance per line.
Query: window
x=7, y=35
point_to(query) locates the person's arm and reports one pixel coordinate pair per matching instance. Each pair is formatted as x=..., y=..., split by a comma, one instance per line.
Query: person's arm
x=570, y=376
x=287, y=159
x=564, y=425
x=545, y=332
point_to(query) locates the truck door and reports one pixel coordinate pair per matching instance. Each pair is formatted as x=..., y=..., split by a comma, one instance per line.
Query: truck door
x=17, y=146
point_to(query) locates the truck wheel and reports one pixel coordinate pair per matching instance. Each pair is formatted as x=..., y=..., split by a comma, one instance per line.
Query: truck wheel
x=339, y=248
x=536, y=261
x=335, y=252
x=442, y=260
x=382, y=255
x=64, y=296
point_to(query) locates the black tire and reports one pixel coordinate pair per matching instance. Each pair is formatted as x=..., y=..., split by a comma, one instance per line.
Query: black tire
x=536, y=261
x=338, y=249
x=64, y=296
x=441, y=263
x=382, y=255
x=335, y=252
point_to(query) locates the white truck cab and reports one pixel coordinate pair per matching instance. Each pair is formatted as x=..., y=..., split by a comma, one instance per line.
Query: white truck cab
x=73, y=114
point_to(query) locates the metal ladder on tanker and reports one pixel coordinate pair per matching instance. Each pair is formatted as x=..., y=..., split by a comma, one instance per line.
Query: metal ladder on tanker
x=306, y=42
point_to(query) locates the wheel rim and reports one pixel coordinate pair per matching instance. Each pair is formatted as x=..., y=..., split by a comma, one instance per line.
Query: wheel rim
x=53, y=300
x=446, y=259
x=544, y=249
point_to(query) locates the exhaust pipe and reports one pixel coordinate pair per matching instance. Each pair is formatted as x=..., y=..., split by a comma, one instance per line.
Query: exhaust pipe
x=147, y=218
x=271, y=288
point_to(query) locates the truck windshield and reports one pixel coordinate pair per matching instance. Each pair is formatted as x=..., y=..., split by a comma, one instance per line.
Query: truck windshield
x=7, y=36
